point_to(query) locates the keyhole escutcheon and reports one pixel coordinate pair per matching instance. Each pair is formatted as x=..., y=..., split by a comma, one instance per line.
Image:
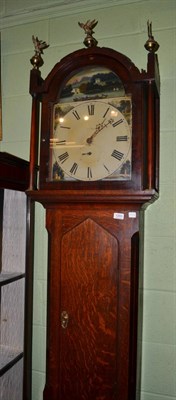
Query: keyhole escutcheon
x=64, y=319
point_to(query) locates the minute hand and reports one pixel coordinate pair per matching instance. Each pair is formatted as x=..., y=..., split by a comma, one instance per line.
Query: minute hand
x=99, y=129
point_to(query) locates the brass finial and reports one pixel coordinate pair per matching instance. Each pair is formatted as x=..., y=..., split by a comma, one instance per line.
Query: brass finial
x=151, y=45
x=39, y=45
x=88, y=27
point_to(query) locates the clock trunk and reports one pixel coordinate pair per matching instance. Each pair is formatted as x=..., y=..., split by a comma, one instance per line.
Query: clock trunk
x=91, y=303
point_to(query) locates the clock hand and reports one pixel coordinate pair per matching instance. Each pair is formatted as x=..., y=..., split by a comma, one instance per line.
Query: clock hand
x=98, y=129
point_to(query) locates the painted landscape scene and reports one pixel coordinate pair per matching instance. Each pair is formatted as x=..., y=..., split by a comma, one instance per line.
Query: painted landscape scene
x=92, y=83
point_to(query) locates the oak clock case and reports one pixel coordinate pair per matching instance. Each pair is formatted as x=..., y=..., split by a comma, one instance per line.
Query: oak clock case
x=98, y=169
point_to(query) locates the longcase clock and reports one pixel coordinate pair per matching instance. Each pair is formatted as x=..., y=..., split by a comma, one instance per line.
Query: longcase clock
x=98, y=168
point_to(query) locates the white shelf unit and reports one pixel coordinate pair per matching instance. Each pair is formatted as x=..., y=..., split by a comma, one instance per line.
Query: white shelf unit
x=16, y=279
x=12, y=292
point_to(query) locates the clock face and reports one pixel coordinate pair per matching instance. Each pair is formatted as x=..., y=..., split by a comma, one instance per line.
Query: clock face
x=91, y=138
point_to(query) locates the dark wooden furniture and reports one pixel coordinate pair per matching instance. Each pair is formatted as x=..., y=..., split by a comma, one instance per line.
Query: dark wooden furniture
x=16, y=280
x=94, y=229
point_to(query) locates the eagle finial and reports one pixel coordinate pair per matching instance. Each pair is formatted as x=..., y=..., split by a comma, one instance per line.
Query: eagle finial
x=151, y=44
x=39, y=45
x=88, y=27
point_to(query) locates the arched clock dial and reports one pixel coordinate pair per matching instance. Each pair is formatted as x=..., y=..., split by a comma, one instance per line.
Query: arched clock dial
x=91, y=141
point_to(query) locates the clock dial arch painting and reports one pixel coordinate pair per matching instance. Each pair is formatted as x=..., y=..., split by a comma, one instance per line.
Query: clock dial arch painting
x=91, y=128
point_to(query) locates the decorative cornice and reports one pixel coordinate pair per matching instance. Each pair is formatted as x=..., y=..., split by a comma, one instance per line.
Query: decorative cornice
x=53, y=10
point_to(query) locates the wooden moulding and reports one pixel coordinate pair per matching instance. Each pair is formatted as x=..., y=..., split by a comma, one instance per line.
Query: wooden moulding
x=14, y=172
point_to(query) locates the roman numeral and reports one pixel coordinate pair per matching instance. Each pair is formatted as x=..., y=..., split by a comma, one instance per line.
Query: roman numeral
x=117, y=154
x=106, y=168
x=63, y=157
x=74, y=168
x=89, y=173
x=121, y=138
x=106, y=112
x=76, y=115
x=117, y=122
x=64, y=127
x=91, y=109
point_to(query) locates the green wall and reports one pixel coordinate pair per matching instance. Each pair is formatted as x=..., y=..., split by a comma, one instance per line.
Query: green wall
x=122, y=26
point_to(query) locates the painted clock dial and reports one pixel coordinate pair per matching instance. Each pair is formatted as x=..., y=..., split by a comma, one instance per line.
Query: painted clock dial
x=91, y=133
